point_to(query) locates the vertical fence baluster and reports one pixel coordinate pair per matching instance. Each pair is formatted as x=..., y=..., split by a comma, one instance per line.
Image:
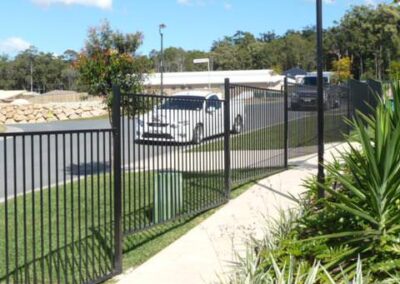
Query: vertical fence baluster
x=116, y=118
x=286, y=122
x=227, y=131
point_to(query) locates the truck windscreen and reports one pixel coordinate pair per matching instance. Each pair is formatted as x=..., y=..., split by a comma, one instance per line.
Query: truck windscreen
x=312, y=81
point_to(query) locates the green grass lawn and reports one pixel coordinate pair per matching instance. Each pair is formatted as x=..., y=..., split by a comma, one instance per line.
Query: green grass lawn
x=301, y=132
x=66, y=233
x=141, y=246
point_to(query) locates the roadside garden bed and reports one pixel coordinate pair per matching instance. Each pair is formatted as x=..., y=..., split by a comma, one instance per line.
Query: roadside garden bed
x=351, y=235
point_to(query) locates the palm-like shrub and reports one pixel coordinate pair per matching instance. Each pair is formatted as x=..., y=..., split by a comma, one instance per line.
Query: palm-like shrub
x=359, y=218
x=361, y=215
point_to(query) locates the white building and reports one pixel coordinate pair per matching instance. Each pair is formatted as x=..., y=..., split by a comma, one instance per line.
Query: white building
x=199, y=80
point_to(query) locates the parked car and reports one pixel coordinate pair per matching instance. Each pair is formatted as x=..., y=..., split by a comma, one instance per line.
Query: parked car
x=305, y=95
x=189, y=117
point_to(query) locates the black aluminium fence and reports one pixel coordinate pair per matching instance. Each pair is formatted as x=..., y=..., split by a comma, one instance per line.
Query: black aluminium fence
x=182, y=154
x=303, y=116
x=258, y=149
x=56, y=210
x=173, y=162
x=67, y=198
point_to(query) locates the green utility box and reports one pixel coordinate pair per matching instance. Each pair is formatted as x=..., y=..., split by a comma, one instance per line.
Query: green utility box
x=168, y=197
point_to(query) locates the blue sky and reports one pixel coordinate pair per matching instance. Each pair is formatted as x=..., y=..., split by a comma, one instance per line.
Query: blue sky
x=57, y=25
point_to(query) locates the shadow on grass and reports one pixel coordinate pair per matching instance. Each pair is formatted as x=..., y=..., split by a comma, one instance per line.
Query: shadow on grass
x=81, y=261
x=88, y=168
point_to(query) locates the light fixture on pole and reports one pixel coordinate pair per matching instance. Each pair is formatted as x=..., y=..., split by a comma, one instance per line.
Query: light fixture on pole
x=320, y=95
x=161, y=27
x=201, y=61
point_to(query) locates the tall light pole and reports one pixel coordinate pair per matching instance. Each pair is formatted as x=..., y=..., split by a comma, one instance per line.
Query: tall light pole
x=320, y=93
x=161, y=27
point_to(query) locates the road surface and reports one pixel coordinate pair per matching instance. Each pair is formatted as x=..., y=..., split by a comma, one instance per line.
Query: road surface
x=50, y=159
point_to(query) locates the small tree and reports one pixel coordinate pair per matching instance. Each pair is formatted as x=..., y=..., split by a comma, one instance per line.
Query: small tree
x=342, y=68
x=109, y=58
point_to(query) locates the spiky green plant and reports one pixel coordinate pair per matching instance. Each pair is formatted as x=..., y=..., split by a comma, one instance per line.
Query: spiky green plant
x=359, y=218
x=369, y=193
x=293, y=272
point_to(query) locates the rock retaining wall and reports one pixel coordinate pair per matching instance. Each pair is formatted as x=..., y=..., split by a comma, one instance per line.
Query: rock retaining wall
x=32, y=113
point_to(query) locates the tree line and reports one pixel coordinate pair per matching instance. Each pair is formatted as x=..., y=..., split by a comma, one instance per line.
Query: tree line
x=366, y=41
x=368, y=36
x=39, y=71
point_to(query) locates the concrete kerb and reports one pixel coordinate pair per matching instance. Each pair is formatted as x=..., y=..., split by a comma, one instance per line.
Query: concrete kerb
x=206, y=253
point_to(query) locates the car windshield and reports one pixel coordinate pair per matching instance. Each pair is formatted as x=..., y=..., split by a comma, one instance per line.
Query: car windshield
x=312, y=81
x=184, y=103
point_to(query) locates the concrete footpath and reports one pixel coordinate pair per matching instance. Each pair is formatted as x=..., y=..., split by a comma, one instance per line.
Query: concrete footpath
x=205, y=254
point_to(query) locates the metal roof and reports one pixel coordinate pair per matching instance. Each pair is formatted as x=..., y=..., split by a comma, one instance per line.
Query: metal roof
x=214, y=77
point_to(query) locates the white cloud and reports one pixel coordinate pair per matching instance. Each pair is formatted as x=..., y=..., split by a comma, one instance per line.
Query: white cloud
x=227, y=6
x=183, y=2
x=191, y=2
x=13, y=45
x=371, y=3
x=203, y=3
x=103, y=4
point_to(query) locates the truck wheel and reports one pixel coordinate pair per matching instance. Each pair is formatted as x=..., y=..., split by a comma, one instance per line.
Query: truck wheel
x=238, y=125
x=198, y=134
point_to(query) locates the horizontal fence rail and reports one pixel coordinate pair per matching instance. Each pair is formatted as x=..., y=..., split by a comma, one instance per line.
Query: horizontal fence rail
x=56, y=212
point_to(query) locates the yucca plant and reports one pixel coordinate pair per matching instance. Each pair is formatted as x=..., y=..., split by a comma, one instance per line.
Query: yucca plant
x=292, y=272
x=368, y=195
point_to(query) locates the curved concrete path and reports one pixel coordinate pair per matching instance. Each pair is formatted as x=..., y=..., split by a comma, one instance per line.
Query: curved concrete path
x=205, y=254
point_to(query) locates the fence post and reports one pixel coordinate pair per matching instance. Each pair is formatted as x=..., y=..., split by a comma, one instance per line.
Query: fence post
x=227, y=132
x=116, y=121
x=286, y=122
x=349, y=104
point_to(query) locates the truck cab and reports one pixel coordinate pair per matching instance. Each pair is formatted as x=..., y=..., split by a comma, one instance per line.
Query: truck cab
x=305, y=95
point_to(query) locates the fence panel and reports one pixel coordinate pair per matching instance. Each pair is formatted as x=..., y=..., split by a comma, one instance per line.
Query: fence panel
x=56, y=210
x=173, y=158
x=364, y=95
x=257, y=143
x=303, y=117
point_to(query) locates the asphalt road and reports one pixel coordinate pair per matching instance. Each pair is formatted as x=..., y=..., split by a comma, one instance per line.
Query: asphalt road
x=43, y=160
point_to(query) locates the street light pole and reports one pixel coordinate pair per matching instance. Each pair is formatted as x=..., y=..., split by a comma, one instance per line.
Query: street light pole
x=161, y=27
x=320, y=92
